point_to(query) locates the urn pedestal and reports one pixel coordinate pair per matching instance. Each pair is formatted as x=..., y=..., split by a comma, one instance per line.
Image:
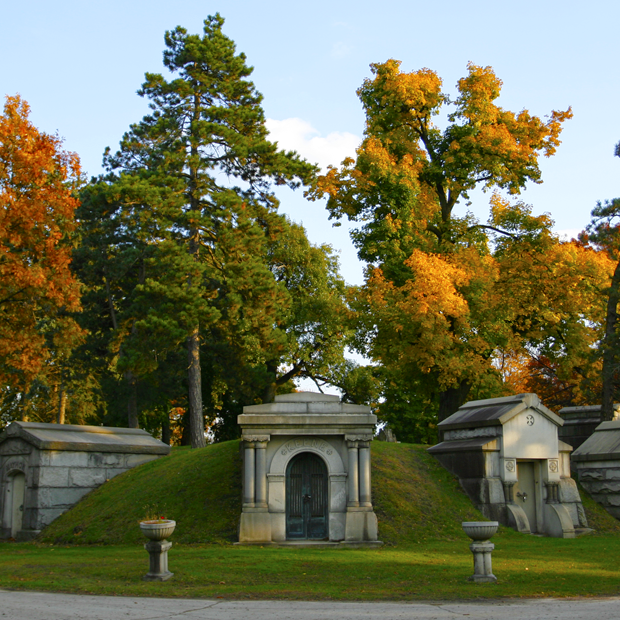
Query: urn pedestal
x=480, y=532
x=158, y=547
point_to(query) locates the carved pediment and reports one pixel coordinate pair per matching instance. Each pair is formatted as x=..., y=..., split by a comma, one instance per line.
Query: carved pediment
x=15, y=446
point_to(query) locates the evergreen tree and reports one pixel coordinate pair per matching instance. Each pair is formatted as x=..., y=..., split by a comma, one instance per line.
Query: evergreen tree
x=190, y=190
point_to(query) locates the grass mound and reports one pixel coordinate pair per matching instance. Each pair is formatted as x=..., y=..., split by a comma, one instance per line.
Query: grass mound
x=199, y=489
x=415, y=500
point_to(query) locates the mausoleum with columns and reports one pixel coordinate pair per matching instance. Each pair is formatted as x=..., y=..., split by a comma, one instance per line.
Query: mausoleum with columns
x=306, y=471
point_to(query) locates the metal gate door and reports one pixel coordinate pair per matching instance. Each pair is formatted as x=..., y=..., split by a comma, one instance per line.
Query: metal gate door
x=306, y=497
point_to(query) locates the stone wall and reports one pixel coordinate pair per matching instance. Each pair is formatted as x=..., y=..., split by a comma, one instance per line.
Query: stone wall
x=601, y=479
x=61, y=479
x=597, y=462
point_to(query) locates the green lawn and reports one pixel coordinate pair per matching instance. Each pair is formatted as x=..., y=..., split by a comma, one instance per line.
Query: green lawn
x=525, y=566
x=97, y=547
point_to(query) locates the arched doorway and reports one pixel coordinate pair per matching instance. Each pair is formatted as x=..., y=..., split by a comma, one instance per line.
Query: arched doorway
x=306, y=497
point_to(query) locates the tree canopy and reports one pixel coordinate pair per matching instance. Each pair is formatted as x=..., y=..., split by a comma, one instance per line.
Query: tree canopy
x=170, y=291
x=185, y=230
x=445, y=292
x=38, y=291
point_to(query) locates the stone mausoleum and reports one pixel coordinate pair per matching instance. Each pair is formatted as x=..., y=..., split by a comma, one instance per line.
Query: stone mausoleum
x=46, y=468
x=306, y=472
x=580, y=423
x=597, y=461
x=511, y=464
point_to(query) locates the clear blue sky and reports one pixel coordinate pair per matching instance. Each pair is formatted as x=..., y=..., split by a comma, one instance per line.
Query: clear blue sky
x=79, y=65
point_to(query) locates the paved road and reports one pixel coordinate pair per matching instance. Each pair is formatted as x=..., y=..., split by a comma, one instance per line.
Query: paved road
x=43, y=606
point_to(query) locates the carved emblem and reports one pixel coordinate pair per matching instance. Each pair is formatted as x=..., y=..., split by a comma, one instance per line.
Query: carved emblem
x=530, y=420
x=553, y=465
x=14, y=466
x=510, y=465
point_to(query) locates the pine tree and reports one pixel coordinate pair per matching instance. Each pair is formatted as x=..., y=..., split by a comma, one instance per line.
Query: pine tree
x=194, y=179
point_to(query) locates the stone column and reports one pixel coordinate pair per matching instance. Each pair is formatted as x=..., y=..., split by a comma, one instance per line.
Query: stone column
x=509, y=491
x=158, y=560
x=261, y=475
x=249, y=475
x=483, y=569
x=354, y=498
x=553, y=496
x=365, y=498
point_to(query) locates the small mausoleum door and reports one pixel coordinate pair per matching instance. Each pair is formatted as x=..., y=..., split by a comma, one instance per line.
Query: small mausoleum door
x=525, y=491
x=17, y=488
x=306, y=497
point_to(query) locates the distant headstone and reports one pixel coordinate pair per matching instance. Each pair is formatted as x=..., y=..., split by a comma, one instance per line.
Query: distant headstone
x=387, y=434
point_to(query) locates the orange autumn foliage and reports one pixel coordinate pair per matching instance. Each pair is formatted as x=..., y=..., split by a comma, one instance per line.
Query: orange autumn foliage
x=446, y=293
x=37, y=288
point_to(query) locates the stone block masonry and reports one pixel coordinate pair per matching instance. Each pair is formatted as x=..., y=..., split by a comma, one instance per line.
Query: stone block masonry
x=45, y=469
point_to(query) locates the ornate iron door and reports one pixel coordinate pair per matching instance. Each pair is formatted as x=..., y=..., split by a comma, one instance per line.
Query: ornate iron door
x=306, y=497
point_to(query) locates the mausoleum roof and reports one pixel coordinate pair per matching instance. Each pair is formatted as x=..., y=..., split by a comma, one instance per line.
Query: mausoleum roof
x=304, y=403
x=75, y=437
x=603, y=444
x=307, y=413
x=496, y=412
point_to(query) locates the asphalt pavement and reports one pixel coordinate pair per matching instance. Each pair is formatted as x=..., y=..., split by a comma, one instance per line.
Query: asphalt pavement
x=45, y=606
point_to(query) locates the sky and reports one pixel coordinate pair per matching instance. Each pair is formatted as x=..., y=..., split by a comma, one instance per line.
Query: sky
x=79, y=65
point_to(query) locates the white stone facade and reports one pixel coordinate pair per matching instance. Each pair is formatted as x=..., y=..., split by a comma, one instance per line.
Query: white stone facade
x=509, y=460
x=299, y=425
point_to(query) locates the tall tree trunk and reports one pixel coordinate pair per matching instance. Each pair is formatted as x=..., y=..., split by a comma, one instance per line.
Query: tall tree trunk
x=452, y=398
x=166, y=433
x=62, y=403
x=186, y=439
x=196, y=418
x=132, y=400
x=194, y=377
x=610, y=357
x=269, y=391
x=25, y=408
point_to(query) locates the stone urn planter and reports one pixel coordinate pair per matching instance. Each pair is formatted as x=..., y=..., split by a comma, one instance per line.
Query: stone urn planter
x=157, y=531
x=480, y=532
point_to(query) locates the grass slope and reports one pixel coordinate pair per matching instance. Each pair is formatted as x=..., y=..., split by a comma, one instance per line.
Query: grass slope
x=415, y=499
x=199, y=489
